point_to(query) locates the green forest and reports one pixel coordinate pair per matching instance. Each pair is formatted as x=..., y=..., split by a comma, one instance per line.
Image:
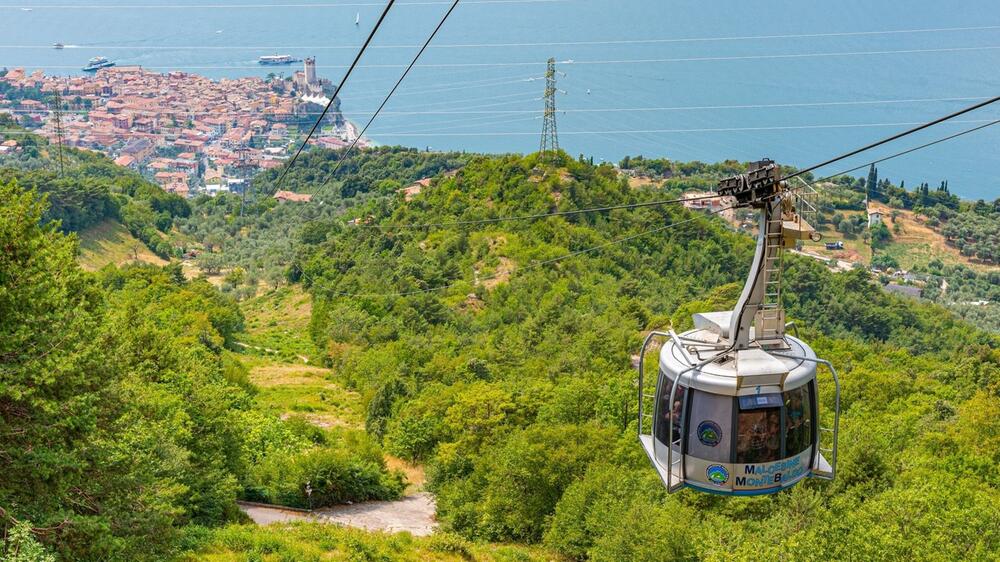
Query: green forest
x=495, y=354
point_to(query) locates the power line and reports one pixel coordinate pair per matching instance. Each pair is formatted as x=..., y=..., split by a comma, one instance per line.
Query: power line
x=465, y=122
x=535, y=216
x=902, y=153
x=252, y=6
x=698, y=107
x=347, y=153
x=461, y=85
x=59, y=132
x=343, y=80
x=587, y=62
x=539, y=112
x=537, y=264
x=648, y=131
x=652, y=40
x=549, y=144
x=593, y=132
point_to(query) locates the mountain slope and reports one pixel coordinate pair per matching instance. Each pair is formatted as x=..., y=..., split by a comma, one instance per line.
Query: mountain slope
x=518, y=394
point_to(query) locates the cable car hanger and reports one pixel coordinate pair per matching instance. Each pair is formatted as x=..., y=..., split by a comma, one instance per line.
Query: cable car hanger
x=735, y=409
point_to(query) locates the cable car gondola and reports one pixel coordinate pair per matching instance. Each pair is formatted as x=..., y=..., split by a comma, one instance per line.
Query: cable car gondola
x=735, y=409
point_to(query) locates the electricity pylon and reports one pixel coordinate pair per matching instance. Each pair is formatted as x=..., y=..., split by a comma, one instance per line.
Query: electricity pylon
x=550, y=136
x=57, y=114
x=245, y=163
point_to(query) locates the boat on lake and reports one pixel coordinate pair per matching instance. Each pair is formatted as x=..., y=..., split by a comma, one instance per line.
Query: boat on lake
x=277, y=59
x=97, y=62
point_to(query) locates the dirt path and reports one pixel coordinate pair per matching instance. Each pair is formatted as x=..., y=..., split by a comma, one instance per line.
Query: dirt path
x=413, y=514
x=841, y=264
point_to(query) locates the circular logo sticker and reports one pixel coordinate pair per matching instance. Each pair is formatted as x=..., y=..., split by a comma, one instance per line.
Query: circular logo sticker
x=709, y=433
x=717, y=474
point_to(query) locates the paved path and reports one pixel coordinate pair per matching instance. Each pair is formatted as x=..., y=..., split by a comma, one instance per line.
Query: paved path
x=413, y=514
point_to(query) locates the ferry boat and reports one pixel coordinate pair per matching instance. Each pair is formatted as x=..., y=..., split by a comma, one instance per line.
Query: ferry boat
x=277, y=59
x=58, y=45
x=97, y=62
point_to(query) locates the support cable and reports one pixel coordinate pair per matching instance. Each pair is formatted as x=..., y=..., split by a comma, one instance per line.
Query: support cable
x=336, y=92
x=350, y=149
x=904, y=152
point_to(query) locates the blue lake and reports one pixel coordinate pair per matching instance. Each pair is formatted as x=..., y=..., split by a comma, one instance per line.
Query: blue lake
x=793, y=81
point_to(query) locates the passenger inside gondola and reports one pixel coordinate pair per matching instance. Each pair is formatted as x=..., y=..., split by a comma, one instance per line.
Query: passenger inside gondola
x=675, y=413
x=798, y=430
x=759, y=438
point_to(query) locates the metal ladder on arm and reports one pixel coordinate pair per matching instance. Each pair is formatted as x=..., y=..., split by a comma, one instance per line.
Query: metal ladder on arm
x=770, y=319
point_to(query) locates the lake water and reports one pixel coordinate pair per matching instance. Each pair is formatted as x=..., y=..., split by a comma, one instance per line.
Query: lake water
x=793, y=81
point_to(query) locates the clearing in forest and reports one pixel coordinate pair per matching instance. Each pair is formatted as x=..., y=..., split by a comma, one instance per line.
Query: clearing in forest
x=108, y=242
x=297, y=389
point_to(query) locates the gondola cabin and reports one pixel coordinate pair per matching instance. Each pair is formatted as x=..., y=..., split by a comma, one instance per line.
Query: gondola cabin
x=735, y=409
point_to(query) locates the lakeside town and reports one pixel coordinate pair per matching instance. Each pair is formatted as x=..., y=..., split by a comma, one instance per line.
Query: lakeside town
x=190, y=134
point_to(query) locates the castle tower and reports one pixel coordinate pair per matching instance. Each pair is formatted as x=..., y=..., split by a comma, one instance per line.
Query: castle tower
x=310, y=70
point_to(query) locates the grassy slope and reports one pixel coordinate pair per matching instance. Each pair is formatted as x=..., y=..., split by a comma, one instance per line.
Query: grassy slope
x=109, y=242
x=918, y=244
x=312, y=392
x=277, y=345
x=279, y=320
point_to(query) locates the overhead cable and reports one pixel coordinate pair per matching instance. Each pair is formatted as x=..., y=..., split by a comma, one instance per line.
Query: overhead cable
x=897, y=154
x=340, y=86
x=535, y=216
x=537, y=264
x=647, y=131
x=651, y=40
x=347, y=153
x=470, y=111
x=254, y=6
x=592, y=62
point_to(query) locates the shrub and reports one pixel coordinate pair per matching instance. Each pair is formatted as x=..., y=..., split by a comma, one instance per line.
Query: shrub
x=324, y=477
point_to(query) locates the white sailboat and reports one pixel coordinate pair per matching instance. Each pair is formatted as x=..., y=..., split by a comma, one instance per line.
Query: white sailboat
x=357, y=19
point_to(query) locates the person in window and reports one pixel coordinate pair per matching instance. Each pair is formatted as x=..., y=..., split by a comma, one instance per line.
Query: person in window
x=772, y=445
x=676, y=415
x=797, y=435
x=759, y=438
x=750, y=439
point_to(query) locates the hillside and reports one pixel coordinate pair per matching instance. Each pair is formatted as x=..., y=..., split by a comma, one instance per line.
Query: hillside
x=108, y=242
x=928, y=240
x=492, y=357
x=515, y=392
x=86, y=190
x=914, y=244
